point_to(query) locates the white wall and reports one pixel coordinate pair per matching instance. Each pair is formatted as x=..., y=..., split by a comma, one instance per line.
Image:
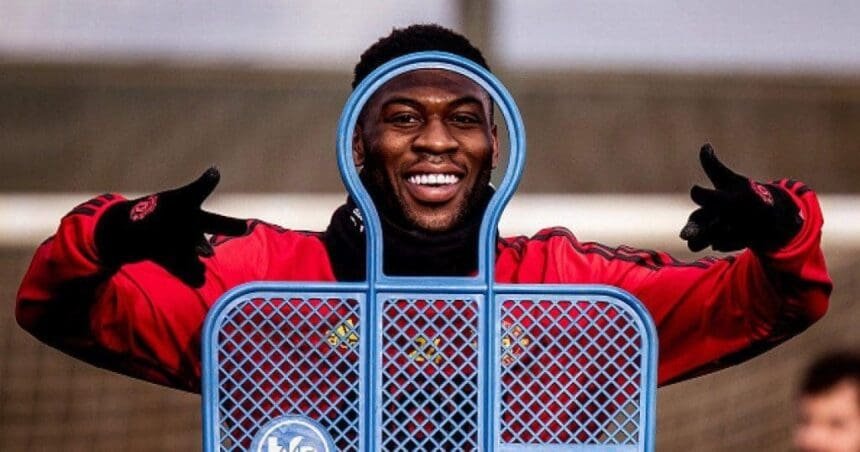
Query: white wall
x=677, y=35
x=318, y=33
x=664, y=35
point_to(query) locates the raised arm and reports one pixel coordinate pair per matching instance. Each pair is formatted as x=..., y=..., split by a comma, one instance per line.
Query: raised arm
x=715, y=311
x=719, y=311
x=121, y=284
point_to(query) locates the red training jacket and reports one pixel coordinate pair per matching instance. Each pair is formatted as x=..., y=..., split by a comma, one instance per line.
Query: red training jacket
x=143, y=322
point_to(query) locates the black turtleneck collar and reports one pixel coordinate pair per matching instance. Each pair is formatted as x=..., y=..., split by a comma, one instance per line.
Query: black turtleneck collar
x=407, y=252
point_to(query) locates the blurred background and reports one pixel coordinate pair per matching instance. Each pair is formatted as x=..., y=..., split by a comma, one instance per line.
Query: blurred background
x=134, y=96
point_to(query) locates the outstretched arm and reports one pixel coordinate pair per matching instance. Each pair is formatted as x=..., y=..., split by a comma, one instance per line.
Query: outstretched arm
x=120, y=276
x=734, y=308
x=715, y=311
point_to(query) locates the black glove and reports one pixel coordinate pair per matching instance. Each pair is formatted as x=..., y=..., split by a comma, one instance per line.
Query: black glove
x=166, y=228
x=739, y=212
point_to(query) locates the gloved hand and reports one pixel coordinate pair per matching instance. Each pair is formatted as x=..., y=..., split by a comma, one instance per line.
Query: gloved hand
x=166, y=228
x=739, y=212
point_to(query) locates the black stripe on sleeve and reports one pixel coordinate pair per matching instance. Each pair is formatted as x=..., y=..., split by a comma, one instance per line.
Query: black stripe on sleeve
x=643, y=257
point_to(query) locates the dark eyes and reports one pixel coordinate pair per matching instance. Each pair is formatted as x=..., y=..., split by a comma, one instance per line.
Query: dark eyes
x=404, y=118
x=465, y=118
x=411, y=119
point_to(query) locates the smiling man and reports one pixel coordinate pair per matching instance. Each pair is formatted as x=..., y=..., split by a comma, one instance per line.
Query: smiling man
x=427, y=145
x=126, y=284
x=432, y=142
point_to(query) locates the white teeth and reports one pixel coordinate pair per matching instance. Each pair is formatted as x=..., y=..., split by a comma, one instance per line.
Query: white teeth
x=433, y=179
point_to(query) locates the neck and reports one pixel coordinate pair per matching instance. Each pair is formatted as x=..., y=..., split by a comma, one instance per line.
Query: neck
x=407, y=250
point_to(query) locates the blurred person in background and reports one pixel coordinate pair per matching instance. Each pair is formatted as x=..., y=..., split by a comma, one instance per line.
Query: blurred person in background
x=828, y=405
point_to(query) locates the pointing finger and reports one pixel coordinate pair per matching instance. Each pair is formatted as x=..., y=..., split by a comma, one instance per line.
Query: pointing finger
x=697, y=224
x=697, y=231
x=222, y=225
x=698, y=244
x=690, y=230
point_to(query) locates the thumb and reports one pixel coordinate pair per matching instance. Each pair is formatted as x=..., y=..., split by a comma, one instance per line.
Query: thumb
x=720, y=175
x=196, y=192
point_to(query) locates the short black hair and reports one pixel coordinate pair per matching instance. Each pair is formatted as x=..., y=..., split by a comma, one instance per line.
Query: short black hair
x=831, y=370
x=415, y=38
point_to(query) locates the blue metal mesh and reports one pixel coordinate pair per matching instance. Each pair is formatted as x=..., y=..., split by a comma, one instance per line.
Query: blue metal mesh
x=429, y=384
x=289, y=356
x=570, y=373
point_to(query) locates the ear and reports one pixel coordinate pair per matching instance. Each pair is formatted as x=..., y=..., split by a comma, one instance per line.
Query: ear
x=495, y=133
x=357, y=146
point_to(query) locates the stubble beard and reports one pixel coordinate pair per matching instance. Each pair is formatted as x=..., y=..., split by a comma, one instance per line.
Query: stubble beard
x=385, y=197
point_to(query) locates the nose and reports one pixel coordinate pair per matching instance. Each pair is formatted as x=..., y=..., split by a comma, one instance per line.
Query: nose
x=435, y=138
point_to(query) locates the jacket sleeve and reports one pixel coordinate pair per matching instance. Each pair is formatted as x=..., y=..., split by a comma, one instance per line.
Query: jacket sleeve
x=716, y=312
x=138, y=320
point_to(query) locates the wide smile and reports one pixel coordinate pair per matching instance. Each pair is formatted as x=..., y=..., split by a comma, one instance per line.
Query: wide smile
x=433, y=188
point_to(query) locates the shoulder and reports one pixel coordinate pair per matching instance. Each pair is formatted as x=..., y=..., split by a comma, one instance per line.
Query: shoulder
x=553, y=237
x=522, y=259
x=265, y=243
x=261, y=233
x=276, y=253
x=566, y=258
x=556, y=244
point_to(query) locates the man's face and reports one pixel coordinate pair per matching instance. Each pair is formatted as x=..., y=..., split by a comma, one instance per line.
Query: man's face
x=830, y=421
x=428, y=145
